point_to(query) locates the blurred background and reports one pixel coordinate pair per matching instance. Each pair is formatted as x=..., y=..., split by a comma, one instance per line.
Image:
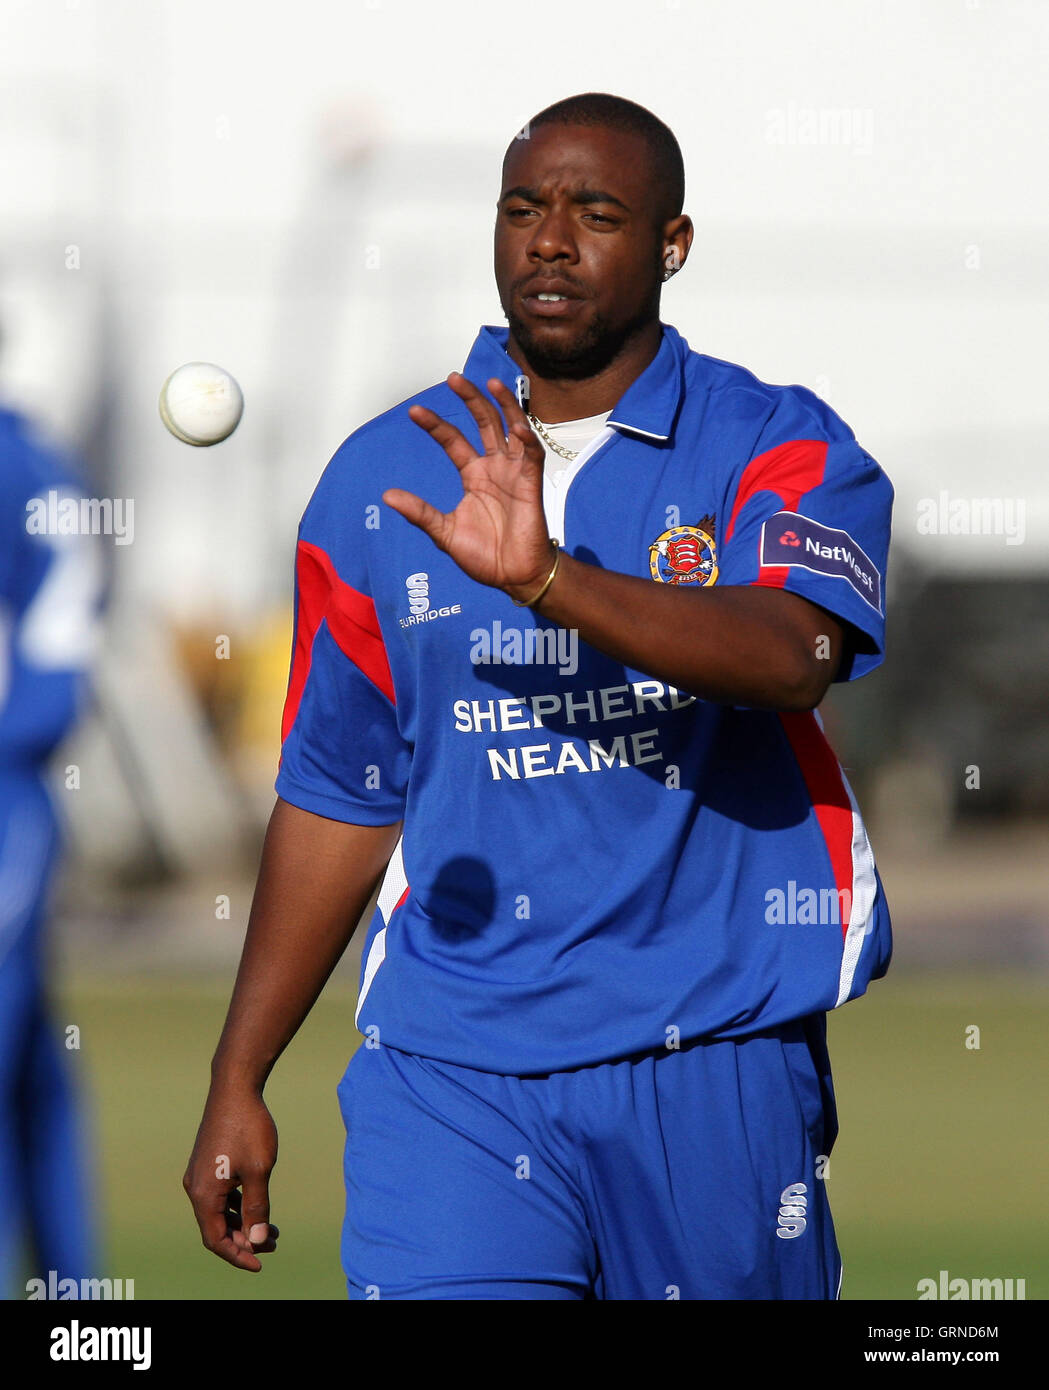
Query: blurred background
x=306, y=196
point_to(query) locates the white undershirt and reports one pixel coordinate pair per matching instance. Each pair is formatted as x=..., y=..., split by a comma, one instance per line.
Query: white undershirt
x=586, y=435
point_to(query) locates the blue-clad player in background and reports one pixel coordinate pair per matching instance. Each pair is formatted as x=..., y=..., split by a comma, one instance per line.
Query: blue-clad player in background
x=50, y=586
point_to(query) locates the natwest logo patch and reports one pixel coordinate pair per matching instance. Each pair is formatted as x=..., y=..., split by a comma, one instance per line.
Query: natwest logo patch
x=790, y=539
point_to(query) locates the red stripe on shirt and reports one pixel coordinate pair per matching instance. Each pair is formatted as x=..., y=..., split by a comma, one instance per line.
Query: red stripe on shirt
x=790, y=470
x=829, y=799
x=351, y=620
x=771, y=577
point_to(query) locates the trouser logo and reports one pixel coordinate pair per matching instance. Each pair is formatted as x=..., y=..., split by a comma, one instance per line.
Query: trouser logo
x=794, y=1203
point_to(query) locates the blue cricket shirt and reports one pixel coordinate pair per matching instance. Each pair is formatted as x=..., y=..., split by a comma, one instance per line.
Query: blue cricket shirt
x=592, y=863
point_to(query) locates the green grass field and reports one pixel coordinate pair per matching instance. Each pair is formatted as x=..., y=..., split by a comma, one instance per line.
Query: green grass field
x=939, y=1164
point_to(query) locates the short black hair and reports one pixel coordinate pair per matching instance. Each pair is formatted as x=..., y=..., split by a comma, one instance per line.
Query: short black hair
x=616, y=113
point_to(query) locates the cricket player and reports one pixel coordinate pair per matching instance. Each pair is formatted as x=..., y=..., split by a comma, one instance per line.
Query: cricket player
x=562, y=624
x=51, y=584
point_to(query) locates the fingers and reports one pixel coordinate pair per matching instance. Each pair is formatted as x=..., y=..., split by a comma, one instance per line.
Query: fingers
x=518, y=432
x=255, y=1210
x=514, y=436
x=458, y=449
x=238, y=1238
x=517, y=421
x=419, y=513
x=217, y=1210
x=247, y=1218
x=509, y=403
x=489, y=421
x=209, y=1207
x=233, y=1226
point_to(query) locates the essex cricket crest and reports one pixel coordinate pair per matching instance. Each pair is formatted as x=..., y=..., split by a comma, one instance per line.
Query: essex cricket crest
x=685, y=555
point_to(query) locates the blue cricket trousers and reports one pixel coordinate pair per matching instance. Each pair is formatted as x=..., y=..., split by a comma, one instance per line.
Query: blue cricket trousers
x=675, y=1174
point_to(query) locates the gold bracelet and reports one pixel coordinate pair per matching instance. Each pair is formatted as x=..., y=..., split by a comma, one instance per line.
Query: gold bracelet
x=528, y=602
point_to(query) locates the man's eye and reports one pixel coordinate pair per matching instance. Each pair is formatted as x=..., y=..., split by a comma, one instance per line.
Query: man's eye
x=600, y=216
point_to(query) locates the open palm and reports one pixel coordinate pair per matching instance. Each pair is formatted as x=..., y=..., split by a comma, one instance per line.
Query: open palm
x=498, y=533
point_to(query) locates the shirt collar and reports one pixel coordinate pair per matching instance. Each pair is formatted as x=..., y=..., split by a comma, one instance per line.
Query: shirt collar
x=647, y=407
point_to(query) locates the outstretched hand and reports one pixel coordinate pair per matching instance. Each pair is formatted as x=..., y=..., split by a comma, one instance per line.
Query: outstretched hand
x=498, y=533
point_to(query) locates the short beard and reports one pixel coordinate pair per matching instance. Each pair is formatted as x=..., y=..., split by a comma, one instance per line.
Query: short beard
x=585, y=357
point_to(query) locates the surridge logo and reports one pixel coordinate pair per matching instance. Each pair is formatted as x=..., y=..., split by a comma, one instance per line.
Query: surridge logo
x=791, y=1220
x=419, y=610
x=418, y=586
x=685, y=555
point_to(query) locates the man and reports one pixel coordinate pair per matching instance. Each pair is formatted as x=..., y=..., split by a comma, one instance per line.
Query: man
x=594, y=1059
x=50, y=596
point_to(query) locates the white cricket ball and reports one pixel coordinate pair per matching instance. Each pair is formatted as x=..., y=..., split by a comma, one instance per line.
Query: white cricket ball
x=201, y=404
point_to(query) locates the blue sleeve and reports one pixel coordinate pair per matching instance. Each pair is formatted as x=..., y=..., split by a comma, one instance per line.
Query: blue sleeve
x=342, y=754
x=812, y=515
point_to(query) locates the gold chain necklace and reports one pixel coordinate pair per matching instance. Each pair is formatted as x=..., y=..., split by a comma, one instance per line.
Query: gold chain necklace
x=557, y=448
